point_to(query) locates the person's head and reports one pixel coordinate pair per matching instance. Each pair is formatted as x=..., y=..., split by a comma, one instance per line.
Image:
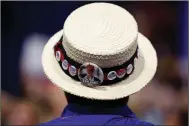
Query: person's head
x=90, y=102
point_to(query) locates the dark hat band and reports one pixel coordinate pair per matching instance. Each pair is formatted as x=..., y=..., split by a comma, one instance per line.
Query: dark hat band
x=80, y=72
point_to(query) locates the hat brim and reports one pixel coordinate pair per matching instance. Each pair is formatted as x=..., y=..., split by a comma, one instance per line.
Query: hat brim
x=146, y=66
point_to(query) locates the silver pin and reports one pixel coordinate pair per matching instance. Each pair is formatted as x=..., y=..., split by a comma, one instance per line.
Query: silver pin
x=129, y=68
x=65, y=64
x=72, y=70
x=111, y=75
x=58, y=55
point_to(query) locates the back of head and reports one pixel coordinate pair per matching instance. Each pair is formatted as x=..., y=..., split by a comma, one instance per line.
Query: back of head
x=92, y=102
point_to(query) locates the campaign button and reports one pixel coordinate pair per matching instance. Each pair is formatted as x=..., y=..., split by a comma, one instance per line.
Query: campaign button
x=121, y=73
x=90, y=74
x=111, y=75
x=72, y=70
x=58, y=55
x=129, y=68
x=65, y=64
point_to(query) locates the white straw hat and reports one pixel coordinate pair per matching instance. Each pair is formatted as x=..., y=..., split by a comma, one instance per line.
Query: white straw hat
x=99, y=54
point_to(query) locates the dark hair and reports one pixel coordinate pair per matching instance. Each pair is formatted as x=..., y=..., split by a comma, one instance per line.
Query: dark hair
x=90, y=102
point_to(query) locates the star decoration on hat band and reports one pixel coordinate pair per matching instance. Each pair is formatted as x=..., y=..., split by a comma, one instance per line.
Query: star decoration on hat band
x=90, y=74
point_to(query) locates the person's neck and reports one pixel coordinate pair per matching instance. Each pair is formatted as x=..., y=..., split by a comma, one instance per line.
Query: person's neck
x=99, y=104
x=77, y=109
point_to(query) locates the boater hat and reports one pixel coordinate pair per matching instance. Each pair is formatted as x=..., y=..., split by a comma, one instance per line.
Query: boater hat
x=99, y=54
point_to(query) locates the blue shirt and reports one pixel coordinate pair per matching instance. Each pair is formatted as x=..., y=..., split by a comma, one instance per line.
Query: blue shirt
x=79, y=115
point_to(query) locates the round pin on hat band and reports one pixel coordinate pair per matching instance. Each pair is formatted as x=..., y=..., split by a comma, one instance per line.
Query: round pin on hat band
x=65, y=64
x=72, y=70
x=121, y=73
x=58, y=55
x=112, y=75
x=135, y=60
x=90, y=74
x=129, y=68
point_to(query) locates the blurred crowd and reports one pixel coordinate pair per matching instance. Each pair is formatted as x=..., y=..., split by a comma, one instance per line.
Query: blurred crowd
x=163, y=102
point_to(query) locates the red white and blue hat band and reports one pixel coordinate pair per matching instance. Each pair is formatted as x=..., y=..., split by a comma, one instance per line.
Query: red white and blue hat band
x=89, y=73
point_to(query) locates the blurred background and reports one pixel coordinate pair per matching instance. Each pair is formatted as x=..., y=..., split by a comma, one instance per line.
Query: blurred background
x=29, y=98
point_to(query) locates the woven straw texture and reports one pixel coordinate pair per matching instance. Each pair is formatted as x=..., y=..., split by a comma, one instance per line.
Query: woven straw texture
x=107, y=38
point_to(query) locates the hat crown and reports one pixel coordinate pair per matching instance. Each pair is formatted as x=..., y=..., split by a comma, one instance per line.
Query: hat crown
x=101, y=33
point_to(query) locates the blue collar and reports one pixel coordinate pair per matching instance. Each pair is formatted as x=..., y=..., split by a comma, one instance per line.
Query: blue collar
x=75, y=109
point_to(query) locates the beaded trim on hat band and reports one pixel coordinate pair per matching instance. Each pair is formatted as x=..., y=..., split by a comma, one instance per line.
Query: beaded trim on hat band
x=110, y=75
